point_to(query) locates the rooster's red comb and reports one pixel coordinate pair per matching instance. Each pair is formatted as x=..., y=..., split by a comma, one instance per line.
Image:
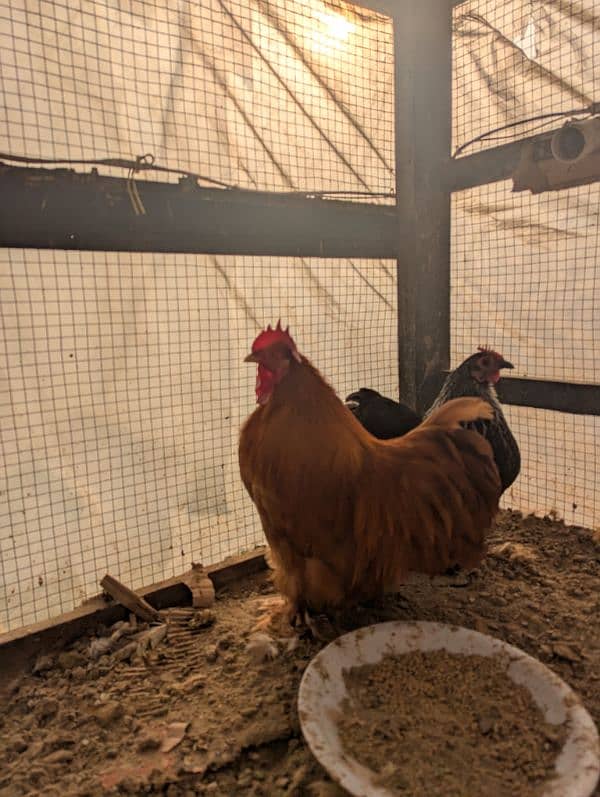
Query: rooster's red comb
x=270, y=336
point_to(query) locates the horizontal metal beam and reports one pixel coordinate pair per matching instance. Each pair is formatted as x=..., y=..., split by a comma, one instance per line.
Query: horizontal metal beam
x=542, y=394
x=61, y=209
x=576, y=398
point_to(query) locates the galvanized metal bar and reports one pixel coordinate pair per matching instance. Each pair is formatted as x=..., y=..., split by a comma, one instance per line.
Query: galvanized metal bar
x=576, y=398
x=423, y=114
x=61, y=209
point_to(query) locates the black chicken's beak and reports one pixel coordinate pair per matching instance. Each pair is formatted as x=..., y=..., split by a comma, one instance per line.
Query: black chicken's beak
x=505, y=364
x=352, y=401
x=251, y=358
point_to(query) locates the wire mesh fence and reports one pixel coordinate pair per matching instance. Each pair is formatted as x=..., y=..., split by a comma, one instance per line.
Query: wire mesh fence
x=519, y=65
x=124, y=388
x=268, y=94
x=524, y=268
x=525, y=280
x=124, y=394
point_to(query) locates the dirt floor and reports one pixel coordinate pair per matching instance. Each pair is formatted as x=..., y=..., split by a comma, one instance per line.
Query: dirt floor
x=193, y=714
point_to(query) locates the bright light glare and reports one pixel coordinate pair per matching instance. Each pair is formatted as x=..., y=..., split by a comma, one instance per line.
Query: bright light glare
x=333, y=31
x=336, y=26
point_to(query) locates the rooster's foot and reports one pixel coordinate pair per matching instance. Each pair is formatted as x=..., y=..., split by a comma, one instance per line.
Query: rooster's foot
x=274, y=611
x=319, y=628
x=271, y=630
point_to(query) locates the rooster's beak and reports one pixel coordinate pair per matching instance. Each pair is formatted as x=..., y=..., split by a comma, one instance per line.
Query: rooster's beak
x=251, y=358
x=505, y=364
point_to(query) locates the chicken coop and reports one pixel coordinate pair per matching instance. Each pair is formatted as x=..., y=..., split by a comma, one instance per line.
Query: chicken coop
x=399, y=182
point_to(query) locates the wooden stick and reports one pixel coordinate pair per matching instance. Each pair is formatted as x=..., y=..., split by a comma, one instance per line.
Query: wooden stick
x=129, y=599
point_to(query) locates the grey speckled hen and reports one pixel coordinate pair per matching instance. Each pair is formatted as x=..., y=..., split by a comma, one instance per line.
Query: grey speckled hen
x=476, y=376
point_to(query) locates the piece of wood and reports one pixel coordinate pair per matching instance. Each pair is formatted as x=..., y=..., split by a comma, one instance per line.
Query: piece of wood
x=423, y=114
x=200, y=585
x=128, y=598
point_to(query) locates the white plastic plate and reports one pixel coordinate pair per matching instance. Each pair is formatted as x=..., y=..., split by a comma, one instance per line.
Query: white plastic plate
x=322, y=691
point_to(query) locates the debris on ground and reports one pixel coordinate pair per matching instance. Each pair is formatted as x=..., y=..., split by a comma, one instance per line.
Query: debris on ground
x=243, y=736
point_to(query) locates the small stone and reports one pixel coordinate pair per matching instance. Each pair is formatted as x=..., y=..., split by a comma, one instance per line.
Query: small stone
x=193, y=682
x=43, y=664
x=69, y=659
x=174, y=735
x=18, y=745
x=109, y=713
x=212, y=653
x=202, y=619
x=148, y=743
x=480, y=625
x=211, y=788
x=564, y=651
x=321, y=788
x=78, y=673
x=126, y=652
x=244, y=779
x=249, y=711
x=293, y=744
x=485, y=725
x=34, y=751
x=47, y=708
x=552, y=735
x=59, y=757
x=225, y=643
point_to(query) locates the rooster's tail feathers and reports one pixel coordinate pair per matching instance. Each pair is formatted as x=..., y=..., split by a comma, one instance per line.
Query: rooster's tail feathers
x=460, y=410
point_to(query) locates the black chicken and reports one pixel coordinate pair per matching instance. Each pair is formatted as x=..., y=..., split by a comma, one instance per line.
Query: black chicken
x=476, y=376
x=381, y=416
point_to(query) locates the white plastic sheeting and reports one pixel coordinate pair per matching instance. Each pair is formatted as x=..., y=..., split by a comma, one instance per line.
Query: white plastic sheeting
x=123, y=383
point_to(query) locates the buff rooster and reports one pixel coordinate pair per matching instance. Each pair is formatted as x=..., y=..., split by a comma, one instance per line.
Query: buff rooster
x=348, y=516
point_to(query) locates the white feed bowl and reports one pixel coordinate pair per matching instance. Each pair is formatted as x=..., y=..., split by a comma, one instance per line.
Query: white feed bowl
x=322, y=691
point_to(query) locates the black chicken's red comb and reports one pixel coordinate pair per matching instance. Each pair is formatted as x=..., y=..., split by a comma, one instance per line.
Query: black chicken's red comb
x=270, y=336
